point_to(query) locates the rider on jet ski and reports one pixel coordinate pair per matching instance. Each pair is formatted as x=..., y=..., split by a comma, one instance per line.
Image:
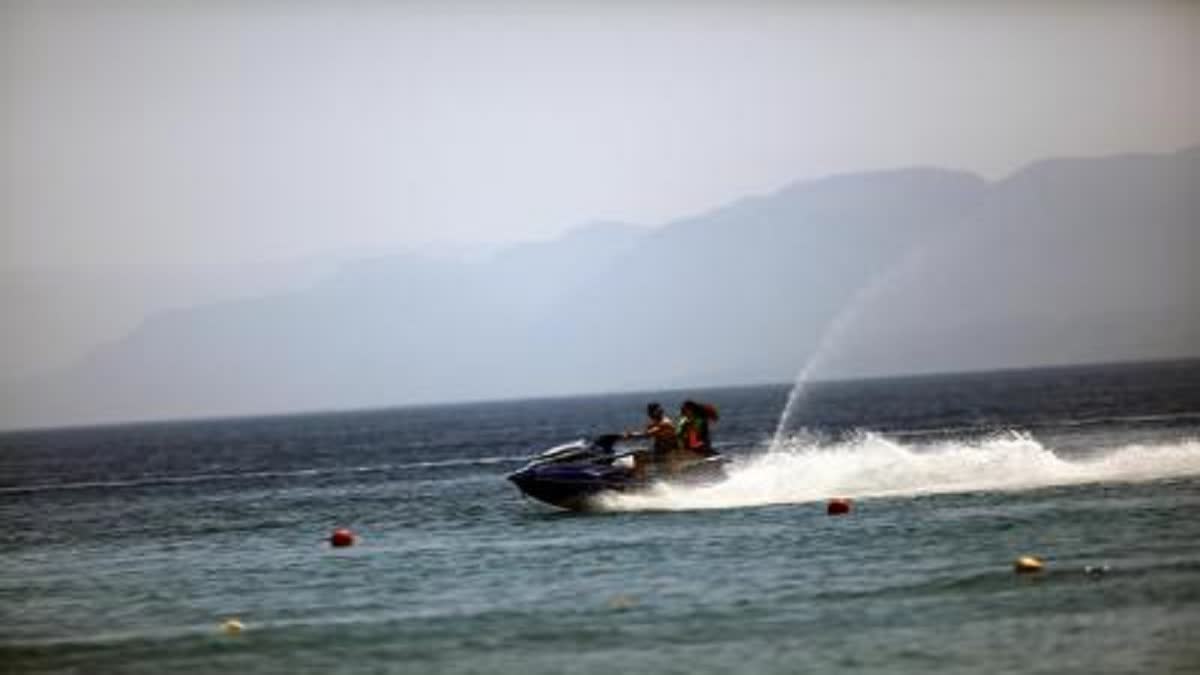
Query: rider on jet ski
x=661, y=458
x=694, y=436
x=674, y=448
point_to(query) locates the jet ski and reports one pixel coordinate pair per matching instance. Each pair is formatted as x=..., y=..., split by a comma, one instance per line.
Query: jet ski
x=573, y=475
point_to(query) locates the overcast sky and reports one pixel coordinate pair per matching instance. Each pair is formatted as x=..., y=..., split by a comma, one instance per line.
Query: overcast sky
x=173, y=132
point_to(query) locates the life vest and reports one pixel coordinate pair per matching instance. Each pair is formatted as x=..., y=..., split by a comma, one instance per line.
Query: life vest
x=694, y=433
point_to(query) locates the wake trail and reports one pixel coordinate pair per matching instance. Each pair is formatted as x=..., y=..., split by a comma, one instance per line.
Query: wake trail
x=796, y=470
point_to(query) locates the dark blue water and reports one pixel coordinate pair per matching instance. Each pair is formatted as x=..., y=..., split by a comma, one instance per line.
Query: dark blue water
x=125, y=548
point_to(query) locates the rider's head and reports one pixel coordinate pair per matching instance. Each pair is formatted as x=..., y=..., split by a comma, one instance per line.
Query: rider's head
x=654, y=411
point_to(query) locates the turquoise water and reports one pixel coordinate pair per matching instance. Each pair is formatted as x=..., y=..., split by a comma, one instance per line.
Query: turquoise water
x=126, y=547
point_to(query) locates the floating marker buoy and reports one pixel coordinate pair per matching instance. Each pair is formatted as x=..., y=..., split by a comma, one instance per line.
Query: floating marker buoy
x=1028, y=564
x=341, y=537
x=621, y=602
x=838, y=506
x=231, y=626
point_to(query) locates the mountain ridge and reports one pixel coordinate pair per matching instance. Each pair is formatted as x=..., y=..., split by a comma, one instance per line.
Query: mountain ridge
x=748, y=287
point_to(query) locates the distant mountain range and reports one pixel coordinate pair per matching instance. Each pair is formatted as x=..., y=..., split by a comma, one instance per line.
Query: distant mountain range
x=918, y=270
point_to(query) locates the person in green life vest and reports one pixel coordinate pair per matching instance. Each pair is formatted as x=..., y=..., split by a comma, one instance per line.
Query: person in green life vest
x=694, y=438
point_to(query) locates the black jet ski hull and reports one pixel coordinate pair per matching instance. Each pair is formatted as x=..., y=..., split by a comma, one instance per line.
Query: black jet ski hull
x=579, y=487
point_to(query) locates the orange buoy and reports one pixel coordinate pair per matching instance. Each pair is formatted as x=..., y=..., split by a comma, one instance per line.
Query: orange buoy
x=341, y=537
x=838, y=506
x=1028, y=564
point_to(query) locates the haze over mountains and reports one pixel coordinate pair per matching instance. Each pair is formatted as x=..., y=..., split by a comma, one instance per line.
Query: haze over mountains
x=923, y=269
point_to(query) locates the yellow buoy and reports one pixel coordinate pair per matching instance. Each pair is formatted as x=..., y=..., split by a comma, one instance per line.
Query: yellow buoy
x=1028, y=564
x=232, y=626
x=622, y=602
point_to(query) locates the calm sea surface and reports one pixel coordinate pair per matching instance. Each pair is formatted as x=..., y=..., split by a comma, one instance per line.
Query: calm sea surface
x=124, y=548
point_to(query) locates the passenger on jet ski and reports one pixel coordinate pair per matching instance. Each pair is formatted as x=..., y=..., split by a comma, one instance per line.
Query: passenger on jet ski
x=662, y=455
x=694, y=437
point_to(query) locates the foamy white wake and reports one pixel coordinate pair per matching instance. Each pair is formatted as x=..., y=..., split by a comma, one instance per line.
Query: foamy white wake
x=873, y=466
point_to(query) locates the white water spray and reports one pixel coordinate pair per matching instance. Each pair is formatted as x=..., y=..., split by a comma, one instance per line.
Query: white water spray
x=876, y=466
x=834, y=333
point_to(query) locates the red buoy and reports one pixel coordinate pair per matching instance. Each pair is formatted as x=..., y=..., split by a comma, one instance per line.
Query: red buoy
x=341, y=537
x=838, y=506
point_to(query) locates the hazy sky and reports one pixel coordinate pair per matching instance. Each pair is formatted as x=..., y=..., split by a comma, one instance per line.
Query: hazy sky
x=223, y=131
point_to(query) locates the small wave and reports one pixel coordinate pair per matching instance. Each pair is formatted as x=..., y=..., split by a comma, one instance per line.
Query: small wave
x=1168, y=418
x=1070, y=423
x=152, y=481
x=798, y=470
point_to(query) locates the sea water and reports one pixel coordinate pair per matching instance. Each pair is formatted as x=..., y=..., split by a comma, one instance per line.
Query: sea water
x=125, y=548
